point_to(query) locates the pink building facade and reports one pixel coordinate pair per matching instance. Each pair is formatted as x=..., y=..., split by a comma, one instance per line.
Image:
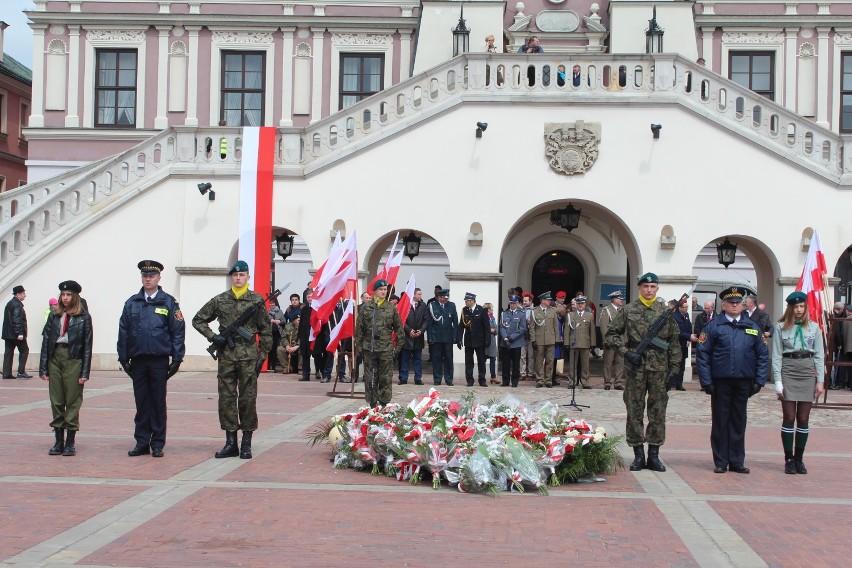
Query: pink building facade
x=15, y=89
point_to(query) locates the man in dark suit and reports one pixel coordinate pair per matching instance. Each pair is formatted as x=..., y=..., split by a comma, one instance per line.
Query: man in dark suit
x=474, y=331
x=15, y=334
x=416, y=324
x=703, y=319
x=681, y=317
x=757, y=315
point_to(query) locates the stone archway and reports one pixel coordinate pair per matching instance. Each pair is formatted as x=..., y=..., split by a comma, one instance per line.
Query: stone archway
x=429, y=267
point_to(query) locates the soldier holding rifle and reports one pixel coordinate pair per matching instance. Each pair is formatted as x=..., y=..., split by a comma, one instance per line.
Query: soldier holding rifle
x=239, y=354
x=651, y=351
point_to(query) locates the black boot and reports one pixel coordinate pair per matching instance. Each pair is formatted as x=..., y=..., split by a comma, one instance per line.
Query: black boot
x=789, y=463
x=800, y=466
x=654, y=463
x=69, y=444
x=639, y=461
x=229, y=450
x=245, y=448
x=57, y=448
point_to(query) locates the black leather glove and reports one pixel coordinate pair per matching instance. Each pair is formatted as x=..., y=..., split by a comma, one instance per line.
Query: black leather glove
x=535, y=345
x=173, y=368
x=126, y=367
x=708, y=389
x=633, y=358
x=259, y=365
x=459, y=344
x=218, y=341
x=755, y=388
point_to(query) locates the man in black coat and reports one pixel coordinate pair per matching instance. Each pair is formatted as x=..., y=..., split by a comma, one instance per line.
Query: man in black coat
x=416, y=324
x=15, y=334
x=702, y=319
x=681, y=317
x=474, y=332
x=757, y=315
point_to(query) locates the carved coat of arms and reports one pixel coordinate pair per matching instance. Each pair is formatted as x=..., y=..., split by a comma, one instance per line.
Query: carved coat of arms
x=571, y=148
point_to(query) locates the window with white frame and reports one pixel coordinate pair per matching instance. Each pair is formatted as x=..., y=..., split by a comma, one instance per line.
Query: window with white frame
x=361, y=75
x=243, y=88
x=115, y=88
x=754, y=70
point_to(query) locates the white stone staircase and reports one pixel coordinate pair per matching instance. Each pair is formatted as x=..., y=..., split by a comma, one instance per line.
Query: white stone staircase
x=37, y=217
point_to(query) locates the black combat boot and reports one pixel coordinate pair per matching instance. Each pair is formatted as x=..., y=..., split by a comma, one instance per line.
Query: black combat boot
x=245, y=448
x=639, y=461
x=789, y=463
x=69, y=444
x=654, y=463
x=229, y=450
x=800, y=466
x=57, y=448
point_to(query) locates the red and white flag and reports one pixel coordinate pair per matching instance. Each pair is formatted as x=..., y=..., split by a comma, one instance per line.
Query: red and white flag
x=339, y=275
x=333, y=253
x=404, y=305
x=390, y=270
x=256, y=174
x=812, y=281
x=345, y=328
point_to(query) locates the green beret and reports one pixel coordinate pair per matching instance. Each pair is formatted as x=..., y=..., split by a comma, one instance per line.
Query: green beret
x=379, y=284
x=648, y=278
x=239, y=266
x=797, y=298
x=545, y=296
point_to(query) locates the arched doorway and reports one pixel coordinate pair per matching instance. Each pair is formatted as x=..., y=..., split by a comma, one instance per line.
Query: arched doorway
x=558, y=270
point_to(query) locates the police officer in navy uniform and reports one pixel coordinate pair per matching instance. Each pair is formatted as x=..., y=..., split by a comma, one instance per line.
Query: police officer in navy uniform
x=732, y=364
x=474, y=333
x=150, y=349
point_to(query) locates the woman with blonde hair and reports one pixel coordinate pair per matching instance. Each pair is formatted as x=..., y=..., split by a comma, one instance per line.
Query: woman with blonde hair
x=798, y=371
x=66, y=358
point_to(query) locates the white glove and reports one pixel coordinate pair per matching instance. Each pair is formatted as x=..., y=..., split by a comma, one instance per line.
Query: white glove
x=779, y=387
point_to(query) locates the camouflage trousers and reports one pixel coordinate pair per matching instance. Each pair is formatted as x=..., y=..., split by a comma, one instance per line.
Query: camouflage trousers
x=642, y=385
x=378, y=372
x=237, y=395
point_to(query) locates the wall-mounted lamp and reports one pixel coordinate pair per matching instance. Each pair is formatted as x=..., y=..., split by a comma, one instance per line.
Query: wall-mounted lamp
x=480, y=128
x=655, y=129
x=284, y=245
x=727, y=252
x=207, y=188
x=412, y=245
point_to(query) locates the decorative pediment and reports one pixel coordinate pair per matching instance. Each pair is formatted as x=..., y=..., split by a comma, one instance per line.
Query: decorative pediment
x=571, y=147
x=361, y=39
x=243, y=37
x=116, y=35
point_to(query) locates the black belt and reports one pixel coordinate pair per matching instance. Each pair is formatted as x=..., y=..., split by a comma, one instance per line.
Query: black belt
x=62, y=346
x=797, y=355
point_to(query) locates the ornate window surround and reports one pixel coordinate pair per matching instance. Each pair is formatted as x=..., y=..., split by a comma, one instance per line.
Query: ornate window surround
x=355, y=42
x=842, y=42
x=757, y=39
x=241, y=40
x=103, y=38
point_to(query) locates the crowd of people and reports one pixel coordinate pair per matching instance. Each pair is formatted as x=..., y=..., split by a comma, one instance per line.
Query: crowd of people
x=541, y=338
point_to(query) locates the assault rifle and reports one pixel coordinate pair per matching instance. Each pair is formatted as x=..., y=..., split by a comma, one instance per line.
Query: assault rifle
x=237, y=326
x=633, y=358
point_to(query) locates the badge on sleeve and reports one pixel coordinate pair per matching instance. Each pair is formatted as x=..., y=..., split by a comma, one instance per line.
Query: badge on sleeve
x=178, y=315
x=702, y=338
x=752, y=331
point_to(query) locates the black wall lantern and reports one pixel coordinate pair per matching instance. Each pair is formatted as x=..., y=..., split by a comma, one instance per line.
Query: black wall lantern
x=284, y=245
x=461, y=36
x=654, y=35
x=411, y=242
x=727, y=252
x=568, y=218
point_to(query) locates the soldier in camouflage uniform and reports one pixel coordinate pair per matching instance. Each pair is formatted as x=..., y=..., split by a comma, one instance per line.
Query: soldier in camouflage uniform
x=288, y=348
x=238, y=365
x=377, y=321
x=651, y=371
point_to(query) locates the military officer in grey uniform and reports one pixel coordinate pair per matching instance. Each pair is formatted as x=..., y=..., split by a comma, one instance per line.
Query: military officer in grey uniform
x=238, y=365
x=377, y=322
x=474, y=333
x=646, y=377
x=580, y=337
x=545, y=332
x=512, y=330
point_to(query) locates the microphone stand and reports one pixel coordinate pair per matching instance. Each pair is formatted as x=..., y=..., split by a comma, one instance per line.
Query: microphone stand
x=573, y=404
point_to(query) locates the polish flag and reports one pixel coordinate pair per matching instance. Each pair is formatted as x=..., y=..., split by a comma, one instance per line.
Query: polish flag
x=338, y=276
x=812, y=281
x=345, y=328
x=390, y=270
x=404, y=305
x=256, y=173
x=333, y=253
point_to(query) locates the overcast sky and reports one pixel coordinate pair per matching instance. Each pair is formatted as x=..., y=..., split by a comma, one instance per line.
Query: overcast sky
x=18, y=39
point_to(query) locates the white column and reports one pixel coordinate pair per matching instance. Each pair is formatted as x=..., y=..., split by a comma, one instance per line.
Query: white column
x=790, y=75
x=316, y=82
x=192, y=78
x=822, y=78
x=72, y=119
x=161, y=120
x=404, y=55
x=37, y=113
x=707, y=46
x=287, y=78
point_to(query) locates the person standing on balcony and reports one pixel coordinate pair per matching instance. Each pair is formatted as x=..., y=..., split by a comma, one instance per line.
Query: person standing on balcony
x=15, y=334
x=531, y=46
x=151, y=348
x=489, y=44
x=66, y=358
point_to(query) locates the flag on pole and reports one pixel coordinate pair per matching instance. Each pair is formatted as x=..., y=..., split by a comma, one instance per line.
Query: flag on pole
x=404, y=305
x=339, y=275
x=812, y=282
x=256, y=174
x=333, y=253
x=345, y=328
x=390, y=270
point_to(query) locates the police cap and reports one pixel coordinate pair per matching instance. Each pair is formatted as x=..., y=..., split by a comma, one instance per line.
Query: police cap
x=732, y=294
x=149, y=267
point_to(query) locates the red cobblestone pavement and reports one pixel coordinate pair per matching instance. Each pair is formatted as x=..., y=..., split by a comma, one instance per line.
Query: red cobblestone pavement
x=289, y=507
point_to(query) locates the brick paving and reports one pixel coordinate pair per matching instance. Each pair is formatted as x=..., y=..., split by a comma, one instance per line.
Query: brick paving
x=289, y=507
